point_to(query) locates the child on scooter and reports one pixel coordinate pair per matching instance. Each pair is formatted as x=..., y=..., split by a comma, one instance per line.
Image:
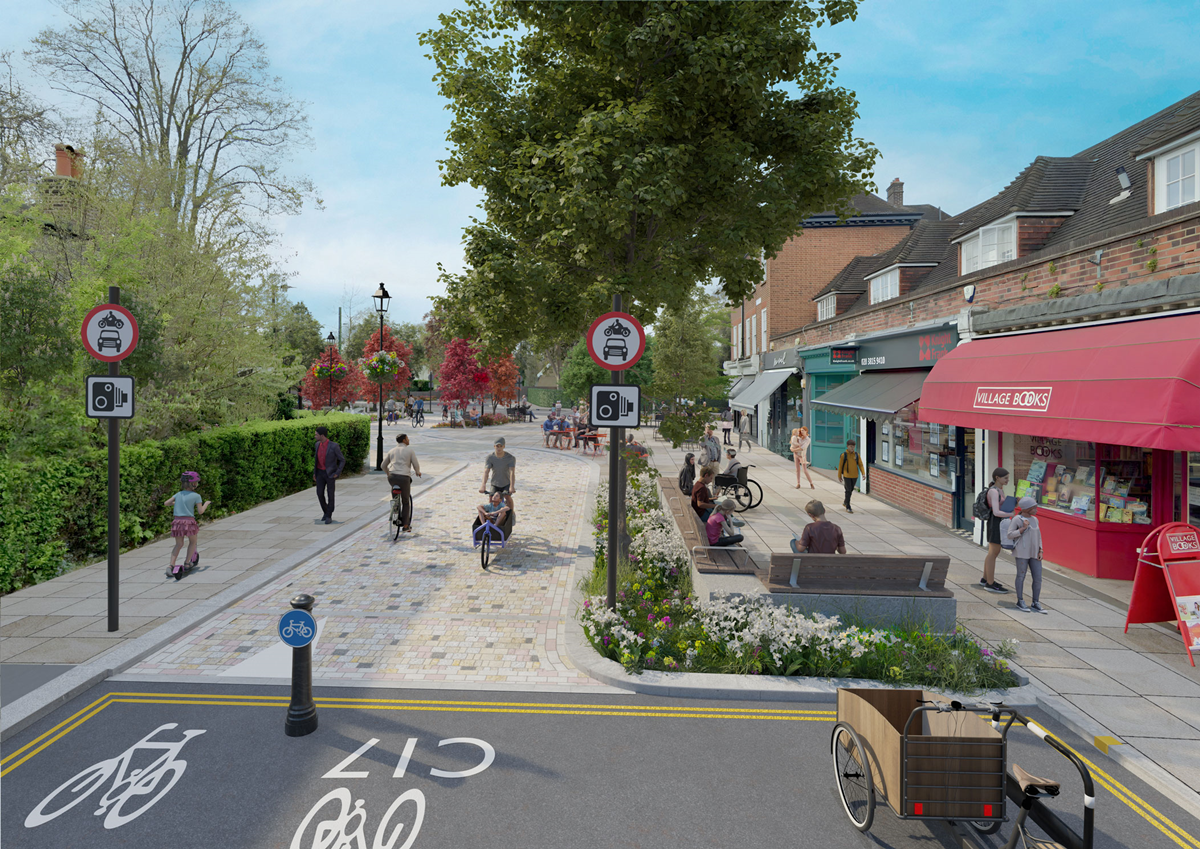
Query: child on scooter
x=187, y=504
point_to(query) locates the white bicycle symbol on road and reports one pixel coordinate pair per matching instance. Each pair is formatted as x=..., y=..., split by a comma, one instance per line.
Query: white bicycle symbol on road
x=297, y=628
x=130, y=786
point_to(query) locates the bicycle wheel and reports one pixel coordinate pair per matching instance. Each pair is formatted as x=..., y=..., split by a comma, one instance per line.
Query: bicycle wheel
x=756, y=493
x=144, y=786
x=986, y=827
x=81, y=786
x=396, y=519
x=485, y=549
x=853, y=774
x=742, y=496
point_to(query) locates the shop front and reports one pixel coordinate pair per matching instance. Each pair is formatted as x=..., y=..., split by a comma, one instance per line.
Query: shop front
x=758, y=401
x=1099, y=423
x=923, y=467
x=825, y=369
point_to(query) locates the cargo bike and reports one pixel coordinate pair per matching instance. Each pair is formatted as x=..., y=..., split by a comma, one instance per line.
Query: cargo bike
x=484, y=535
x=931, y=758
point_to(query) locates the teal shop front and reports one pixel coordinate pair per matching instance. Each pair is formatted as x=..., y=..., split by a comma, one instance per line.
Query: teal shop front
x=825, y=369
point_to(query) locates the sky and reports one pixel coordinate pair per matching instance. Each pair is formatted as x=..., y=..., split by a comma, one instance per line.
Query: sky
x=958, y=97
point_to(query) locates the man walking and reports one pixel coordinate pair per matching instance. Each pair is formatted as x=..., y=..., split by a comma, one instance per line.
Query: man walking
x=399, y=465
x=744, y=432
x=329, y=464
x=501, y=467
x=849, y=467
x=712, y=449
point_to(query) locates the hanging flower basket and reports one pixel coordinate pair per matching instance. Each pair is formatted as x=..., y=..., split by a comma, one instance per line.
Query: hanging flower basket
x=337, y=371
x=382, y=367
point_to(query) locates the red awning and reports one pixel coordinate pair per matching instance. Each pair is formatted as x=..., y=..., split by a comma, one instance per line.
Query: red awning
x=1131, y=383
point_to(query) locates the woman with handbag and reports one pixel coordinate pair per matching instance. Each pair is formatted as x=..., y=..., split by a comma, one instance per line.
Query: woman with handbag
x=800, y=443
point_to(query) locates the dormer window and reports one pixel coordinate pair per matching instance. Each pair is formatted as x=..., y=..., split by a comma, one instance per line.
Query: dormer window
x=885, y=286
x=826, y=307
x=991, y=246
x=1178, y=177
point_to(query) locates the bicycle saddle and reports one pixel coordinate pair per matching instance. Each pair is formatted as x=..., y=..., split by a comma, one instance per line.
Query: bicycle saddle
x=1032, y=782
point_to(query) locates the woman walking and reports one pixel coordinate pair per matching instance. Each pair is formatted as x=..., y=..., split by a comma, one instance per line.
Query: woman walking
x=800, y=444
x=995, y=497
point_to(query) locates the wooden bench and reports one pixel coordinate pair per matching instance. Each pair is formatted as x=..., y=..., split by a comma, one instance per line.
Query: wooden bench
x=708, y=559
x=859, y=574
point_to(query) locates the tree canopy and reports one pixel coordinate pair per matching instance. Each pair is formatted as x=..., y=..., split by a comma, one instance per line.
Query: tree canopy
x=634, y=147
x=688, y=351
x=580, y=371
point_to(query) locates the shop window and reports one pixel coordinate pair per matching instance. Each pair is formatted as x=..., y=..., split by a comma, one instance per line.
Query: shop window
x=1060, y=474
x=1193, y=488
x=1125, y=485
x=828, y=427
x=922, y=450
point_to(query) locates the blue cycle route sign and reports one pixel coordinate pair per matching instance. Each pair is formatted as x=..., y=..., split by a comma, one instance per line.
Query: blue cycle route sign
x=297, y=628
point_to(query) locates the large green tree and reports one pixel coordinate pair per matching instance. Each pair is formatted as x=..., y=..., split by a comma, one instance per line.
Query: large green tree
x=637, y=148
x=580, y=371
x=688, y=345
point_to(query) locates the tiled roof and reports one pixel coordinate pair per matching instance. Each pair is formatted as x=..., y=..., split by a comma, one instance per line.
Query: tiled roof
x=868, y=209
x=928, y=242
x=1049, y=184
x=853, y=278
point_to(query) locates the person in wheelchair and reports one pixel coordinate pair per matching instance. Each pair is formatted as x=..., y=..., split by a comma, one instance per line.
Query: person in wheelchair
x=730, y=476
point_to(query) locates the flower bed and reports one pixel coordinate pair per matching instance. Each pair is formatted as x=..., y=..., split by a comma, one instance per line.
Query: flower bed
x=658, y=624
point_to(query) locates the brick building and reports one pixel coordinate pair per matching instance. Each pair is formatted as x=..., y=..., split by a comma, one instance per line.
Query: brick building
x=782, y=303
x=1053, y=330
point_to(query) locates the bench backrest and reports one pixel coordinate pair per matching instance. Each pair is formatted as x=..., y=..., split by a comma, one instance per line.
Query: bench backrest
x=841, y=572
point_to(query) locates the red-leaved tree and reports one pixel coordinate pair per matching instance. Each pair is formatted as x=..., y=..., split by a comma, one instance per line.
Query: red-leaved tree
x=456, y=376
x=502, y=381
x=402, y=350
x=318, y=388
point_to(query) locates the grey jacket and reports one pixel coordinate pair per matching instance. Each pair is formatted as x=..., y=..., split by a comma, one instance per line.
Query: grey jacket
x=334, y=460
x=1027, y=533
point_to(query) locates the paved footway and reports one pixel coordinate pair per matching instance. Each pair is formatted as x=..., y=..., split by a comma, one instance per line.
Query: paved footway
x=419, y=611
x=469, y=769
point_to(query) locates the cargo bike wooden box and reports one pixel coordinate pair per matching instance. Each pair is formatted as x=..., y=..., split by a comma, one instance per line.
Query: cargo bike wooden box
x=935, y=759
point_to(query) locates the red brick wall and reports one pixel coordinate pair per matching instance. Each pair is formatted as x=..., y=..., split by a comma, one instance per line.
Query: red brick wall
x=911, y=277
x=1032, y=233
x=1174, y=246
x=934, y=504
x=805, y=264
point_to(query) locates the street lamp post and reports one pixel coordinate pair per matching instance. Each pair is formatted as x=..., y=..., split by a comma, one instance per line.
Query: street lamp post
x=330, y=340
x=382, y=299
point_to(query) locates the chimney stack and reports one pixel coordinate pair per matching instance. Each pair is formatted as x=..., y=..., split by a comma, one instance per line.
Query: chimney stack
x=67, y=161
x=895, y=193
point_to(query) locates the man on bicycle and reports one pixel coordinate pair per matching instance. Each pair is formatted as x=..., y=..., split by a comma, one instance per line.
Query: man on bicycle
x=419, y=418
x=399, y=465
x=501, y=467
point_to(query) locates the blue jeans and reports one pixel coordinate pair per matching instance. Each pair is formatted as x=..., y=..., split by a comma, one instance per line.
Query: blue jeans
x=1035, y=568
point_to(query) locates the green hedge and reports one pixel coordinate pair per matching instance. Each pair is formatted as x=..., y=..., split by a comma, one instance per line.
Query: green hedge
x=542, y=396
x=56, y=511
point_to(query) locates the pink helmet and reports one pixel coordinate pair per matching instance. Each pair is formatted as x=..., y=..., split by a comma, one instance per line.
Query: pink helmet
x=190, y=477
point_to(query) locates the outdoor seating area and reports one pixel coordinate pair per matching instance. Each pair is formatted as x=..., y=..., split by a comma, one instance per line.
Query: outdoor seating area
x=708, y=559
x=877, y=589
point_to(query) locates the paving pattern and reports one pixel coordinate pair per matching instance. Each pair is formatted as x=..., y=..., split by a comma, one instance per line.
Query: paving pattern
x=421, y=610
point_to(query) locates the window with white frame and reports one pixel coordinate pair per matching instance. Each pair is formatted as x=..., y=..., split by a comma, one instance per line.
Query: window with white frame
x=754, y=334
x=992, y=246
x=1176, y=174
x=764, y=329
x=747, y=339
x=885, y=286
x=826, y=307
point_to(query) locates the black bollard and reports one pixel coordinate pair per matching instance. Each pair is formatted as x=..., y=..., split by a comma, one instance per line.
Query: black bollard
x=302, y=712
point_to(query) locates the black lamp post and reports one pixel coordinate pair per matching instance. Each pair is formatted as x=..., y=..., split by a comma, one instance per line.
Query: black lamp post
x=331, y=342
x=382, y=299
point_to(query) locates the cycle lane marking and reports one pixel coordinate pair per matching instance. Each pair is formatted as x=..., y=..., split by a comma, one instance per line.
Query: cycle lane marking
x=1164, y=824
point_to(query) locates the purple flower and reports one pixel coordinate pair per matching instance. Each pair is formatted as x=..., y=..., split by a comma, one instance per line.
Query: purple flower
x=606, y=639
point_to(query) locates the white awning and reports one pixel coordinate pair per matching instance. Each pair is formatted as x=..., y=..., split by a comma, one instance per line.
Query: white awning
x=740, y=386
x=763, y=385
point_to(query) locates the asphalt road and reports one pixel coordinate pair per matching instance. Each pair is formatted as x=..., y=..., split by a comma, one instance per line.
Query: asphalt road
x=534, y=770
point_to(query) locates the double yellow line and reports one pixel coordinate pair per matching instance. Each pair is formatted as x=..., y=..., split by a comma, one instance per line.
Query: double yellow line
x=23, y=754
x=1181, y=838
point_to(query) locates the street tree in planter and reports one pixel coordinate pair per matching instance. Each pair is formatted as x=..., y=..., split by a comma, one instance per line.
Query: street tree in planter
x=502, y=374
x=635, y=149
x=330, y=380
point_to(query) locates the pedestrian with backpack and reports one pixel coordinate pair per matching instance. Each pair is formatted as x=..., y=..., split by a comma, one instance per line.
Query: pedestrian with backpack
x=850, y=465
x=1023, y=529
x=993, y=497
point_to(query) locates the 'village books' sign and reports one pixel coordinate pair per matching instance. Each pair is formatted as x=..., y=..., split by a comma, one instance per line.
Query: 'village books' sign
x=1014, y=399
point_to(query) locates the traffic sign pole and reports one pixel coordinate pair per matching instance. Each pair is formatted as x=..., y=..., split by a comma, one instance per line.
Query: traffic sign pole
x=114, y=498
x=616, y=489
x=302, y=710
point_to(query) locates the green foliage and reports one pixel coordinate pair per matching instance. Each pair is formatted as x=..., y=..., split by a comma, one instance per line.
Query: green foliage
x=1052, y=268
x=688, y=349
x=1054, y=291
x=301, y=333
x=285, y=407
x=55, y=509
x=639, y=148
x=686, y=425
x=580, y=372
x=544, y=396
x=1152, y=265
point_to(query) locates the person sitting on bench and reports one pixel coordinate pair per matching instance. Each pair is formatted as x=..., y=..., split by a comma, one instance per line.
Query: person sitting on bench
x=702, y=501
x=720, y=531
x=820, y=536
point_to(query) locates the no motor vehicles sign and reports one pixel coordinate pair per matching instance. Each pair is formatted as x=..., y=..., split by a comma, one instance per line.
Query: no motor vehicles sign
x=616, y=341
